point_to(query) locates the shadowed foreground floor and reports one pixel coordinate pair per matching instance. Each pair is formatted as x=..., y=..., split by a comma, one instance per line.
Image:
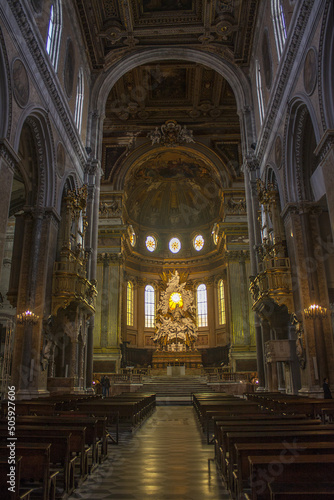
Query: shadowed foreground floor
x=166, y=459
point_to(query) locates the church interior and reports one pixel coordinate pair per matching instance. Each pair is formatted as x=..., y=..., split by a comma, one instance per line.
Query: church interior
x=166, y=235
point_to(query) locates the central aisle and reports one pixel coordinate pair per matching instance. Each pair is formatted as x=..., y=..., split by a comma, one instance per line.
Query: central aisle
x=166, y=459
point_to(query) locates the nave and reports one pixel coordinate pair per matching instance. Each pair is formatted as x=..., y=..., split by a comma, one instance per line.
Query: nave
x=165, y=459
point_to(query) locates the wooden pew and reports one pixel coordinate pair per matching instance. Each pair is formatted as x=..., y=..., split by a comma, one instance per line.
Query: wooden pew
x=77, y=440
x=88, y=424
x=286, y=450
x=19, y=493
x=312, y=469
x=301, y=491
x=59, y=453
x=35, y=466
x=270, y=436
x=229, y=435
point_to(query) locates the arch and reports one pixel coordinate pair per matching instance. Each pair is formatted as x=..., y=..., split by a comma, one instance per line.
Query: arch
x=234, y=75
x=301, y=121
x=5, y=94
x=122, y=169
x=38, y=121
x=326, y=60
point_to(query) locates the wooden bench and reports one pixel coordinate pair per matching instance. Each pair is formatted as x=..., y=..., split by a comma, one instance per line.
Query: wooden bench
x=301, y=491
x=87, y=439
x=35, y=467
x=269, y=436
x=19, y=493
x=59, y=454
x=286, y=450
x=312, y=469
x=77, y=441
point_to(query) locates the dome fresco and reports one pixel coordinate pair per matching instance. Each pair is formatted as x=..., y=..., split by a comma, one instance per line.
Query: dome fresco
x=172, y=188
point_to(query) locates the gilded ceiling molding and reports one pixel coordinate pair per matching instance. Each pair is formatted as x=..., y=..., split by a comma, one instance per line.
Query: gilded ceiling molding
x=43, y=66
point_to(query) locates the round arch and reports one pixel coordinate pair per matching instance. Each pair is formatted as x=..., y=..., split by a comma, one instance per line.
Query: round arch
x=38, y=122
x=327, y=67
x=204, y=152
x=231, y=73
x=301, y=115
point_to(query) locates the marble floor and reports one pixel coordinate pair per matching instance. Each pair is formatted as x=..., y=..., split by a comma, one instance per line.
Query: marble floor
x=165, y=459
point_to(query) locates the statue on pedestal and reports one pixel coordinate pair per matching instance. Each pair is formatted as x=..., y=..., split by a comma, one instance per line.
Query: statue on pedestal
x=176, y=328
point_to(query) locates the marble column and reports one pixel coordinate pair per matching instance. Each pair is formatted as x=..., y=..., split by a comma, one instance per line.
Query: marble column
x=211, y=311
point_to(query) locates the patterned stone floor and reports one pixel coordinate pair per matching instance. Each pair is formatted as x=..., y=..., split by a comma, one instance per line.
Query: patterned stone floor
x=165, y=459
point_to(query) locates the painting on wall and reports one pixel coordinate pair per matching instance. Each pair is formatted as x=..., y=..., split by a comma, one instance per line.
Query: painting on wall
x=169, y=83
x=166, y=5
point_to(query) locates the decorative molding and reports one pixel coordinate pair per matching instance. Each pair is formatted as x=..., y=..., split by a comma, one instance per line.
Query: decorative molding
x=49, y=79
x=320, y=60
x=8, y=154
x=286, y=66
x=325, y=145
x=9, y=82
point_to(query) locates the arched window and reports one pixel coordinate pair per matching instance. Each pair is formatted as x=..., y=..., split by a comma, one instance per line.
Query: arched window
x=129, y=304
x=221, y=303
x=277, y=15
x=259, y=91
x=54, y=31
x=202, y=306
x=149, y=307
x=79, y=100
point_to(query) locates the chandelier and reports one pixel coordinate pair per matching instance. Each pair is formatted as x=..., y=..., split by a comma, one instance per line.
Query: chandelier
x=315, y=311
x=27, y=317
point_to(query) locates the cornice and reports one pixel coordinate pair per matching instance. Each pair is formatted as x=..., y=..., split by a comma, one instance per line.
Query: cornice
x=49, y=79
x=8, y=153
x=286, y=64
x=325, y=145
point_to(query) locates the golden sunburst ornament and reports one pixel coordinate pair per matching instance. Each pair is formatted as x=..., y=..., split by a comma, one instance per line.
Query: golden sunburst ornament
x=175, y=299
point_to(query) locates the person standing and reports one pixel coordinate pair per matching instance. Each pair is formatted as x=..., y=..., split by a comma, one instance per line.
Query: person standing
x=107, y=385
x=327, y=391
x=103, y=384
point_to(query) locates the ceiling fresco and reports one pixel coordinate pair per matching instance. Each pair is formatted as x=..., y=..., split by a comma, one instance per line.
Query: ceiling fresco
x=173, y=188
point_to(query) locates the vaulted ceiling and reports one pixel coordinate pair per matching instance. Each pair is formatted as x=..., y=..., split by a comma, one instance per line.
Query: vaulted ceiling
x=188, y=93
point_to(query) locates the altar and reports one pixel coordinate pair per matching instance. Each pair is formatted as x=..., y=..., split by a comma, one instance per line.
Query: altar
x=176, y=328
x=188, y=359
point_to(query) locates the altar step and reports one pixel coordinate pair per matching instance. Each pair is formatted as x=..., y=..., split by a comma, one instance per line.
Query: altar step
x=174, y=390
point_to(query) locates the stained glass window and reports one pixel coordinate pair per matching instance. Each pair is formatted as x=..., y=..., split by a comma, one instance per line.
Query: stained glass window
x=202, y=306
x=129, y=304
x=149, y=306
x=175, y=245
x=221, y=303
x=198, y=242
x=151, y=243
